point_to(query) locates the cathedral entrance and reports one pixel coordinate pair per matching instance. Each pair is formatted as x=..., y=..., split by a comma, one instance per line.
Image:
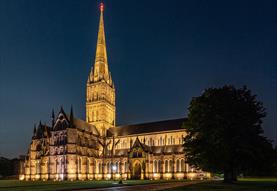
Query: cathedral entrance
x=137, y=171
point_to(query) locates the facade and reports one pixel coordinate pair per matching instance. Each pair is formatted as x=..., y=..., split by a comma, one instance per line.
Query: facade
x=74, y=149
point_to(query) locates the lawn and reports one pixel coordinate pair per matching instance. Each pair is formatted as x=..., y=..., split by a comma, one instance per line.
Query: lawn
x=246, y=184
x=16, y=185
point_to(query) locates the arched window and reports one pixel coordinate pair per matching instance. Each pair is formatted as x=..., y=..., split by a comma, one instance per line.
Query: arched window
x=178, y=165
x=159, y=166
x=87, y=166
x=37, y=167
x=161, y=141
x=117, y=167
x=91, y=165
x=80, y=165
x=99, y=168
x=108, y=167
x=170, y=166
x=166, y=166
x=183, y=165
x=125, y=167
x=155, y=166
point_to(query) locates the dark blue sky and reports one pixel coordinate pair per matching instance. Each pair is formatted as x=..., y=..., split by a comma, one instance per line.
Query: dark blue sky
x=161, y=53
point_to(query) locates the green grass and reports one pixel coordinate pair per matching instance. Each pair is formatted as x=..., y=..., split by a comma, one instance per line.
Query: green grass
x=245, y=184
x=16, y=185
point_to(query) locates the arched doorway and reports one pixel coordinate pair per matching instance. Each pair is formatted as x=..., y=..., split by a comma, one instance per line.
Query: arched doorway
x=137, y=171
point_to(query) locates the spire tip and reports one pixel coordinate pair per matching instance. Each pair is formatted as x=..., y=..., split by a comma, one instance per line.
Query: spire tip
x=101, y=7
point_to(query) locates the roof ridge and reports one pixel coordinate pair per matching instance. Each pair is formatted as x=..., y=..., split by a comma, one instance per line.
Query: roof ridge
x=150, y=122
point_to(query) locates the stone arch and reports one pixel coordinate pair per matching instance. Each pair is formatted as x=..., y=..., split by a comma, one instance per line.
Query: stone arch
x=137, y=170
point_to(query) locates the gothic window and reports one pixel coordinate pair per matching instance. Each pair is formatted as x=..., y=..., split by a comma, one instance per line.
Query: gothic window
x=80, y=165
x=166, y=166
x=87, y=166
x=183, y=165
x=117, y=167
x=171, y=167
x=125, y=167
x=37, y=167
x=93, y=166
x=108, y=167
x=111, y=167
x=160, y=166
x=178, y=165
x=99, y=168
x=155, y=166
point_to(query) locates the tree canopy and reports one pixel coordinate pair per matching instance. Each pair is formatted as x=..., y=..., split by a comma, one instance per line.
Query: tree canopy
x=224, y=132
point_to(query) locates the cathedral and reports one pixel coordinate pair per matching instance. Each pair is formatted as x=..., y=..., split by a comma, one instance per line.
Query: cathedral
x=96, y=149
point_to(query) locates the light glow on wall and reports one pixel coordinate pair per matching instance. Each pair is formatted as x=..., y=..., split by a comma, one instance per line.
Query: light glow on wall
x=21, y=177
x=191, y=175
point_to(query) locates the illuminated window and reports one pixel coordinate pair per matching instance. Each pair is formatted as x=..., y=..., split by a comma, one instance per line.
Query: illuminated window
x=155, y=166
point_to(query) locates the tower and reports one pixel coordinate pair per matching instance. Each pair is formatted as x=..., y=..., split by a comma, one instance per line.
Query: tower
x=100, y=100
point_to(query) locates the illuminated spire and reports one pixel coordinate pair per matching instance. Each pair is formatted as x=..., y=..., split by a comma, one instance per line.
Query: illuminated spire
x=101, y=70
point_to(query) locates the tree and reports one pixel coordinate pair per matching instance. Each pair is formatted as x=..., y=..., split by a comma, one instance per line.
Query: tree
x=224, y=133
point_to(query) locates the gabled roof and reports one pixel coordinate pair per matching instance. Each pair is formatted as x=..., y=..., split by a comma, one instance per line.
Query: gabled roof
x=137, y=143
x=152, y=127
x=63, y=121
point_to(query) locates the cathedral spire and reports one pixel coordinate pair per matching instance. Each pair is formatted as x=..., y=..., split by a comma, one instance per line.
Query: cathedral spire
x=100, y=103
x=101, y=70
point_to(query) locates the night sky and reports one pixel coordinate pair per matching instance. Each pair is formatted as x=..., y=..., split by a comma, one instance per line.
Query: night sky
x=161, y=53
